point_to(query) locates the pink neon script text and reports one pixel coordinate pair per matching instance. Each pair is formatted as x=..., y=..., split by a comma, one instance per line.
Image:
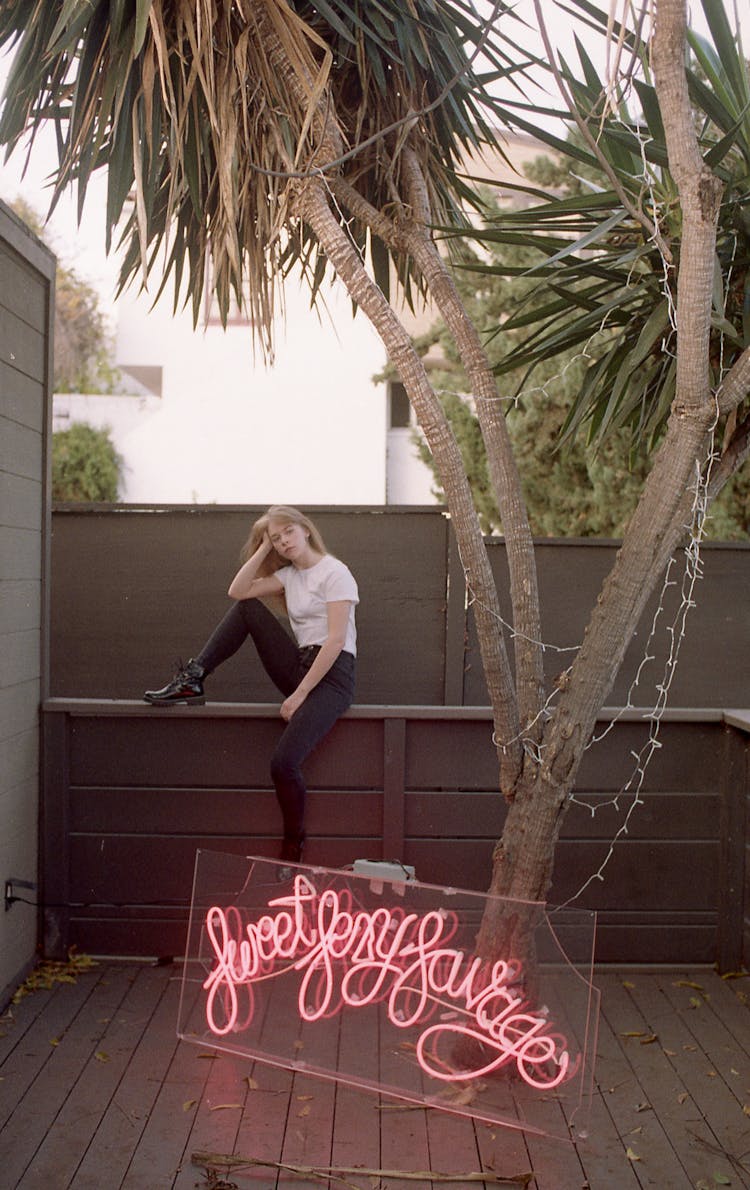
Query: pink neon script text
x=355, y=958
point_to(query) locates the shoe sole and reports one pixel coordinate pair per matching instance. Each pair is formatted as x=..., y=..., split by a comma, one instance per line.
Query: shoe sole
x=175, y=702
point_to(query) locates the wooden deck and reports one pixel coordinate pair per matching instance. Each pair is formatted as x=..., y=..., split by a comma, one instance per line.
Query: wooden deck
x=98, y=1093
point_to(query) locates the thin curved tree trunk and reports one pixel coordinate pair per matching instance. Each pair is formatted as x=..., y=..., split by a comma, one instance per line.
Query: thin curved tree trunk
x=410, y=232
x=312, y=205
x=523, y=859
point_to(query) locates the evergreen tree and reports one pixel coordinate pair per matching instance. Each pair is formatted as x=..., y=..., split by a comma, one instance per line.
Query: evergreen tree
x=572, y=487
x=83, y=346
x=85, y=465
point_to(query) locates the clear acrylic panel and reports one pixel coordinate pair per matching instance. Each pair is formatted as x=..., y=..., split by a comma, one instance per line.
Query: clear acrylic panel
x=377, y=983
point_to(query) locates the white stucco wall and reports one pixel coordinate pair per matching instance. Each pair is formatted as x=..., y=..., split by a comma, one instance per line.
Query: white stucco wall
x=310, y=429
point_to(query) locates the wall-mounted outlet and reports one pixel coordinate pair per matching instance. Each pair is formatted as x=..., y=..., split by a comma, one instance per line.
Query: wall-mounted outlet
x=11, y=887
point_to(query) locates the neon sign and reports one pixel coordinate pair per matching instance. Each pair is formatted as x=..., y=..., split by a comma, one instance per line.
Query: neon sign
x=347, y=956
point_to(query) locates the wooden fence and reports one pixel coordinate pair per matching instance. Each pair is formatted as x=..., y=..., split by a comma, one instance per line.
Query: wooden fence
x=131, y=791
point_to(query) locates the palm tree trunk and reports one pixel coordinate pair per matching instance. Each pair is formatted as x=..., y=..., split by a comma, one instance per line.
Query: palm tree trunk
x=523, y=859
x=312, y=205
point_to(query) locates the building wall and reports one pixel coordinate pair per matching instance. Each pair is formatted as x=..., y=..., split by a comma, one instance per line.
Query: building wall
x=224, y=427
x=27, y=272
x=218, y=425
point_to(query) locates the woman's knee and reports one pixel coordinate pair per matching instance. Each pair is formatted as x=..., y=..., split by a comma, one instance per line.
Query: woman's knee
x=285, y=769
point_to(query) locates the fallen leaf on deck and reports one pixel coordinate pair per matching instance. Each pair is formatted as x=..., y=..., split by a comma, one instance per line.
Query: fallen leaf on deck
x=702, y=1184
x=225, y=1106
x=46, y=974
x=635, y=1033
x=54, y=1040
x=735, y=974
x=650, y=1039
x=304, y=1111
x=643, y=1107
x=301, y=1097
x=721, y=1179
x=670, y=1053
x=206, y=1055
x=631, y=1156
x=746, y=1109
x=688, y=983
x=251, y=1083
x=712, y=1074
x=188, y=1104
x=695, y=1002
x=299, y=1045
x=690, y=1048
x=683, y=1097
x=627, y=984
x=101, y=1056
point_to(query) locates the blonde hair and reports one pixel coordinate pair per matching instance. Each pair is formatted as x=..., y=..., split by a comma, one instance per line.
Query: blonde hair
x=290, y=516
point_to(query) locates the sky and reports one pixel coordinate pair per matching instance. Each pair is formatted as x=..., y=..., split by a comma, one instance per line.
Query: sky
x=83, y=247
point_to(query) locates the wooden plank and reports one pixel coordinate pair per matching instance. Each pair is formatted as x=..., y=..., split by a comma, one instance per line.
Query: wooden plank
x=732, y=1010
x=22, y=346
x=24, y=1063
x=19, y=555
x=734, y=837
x=455, y=626
x=161, y=1149
x=674, y=1079
x=125, y=1117
x=164, y=749
x=57, y=1073
x=21, y=399
x=216, y=1121
x=357, y=1113
x=19, y=240
x=394, y=776
x=55, y=838
x=404, y=1139
x=627, y=1090
x=453, y=1144
x=22, y=287
x=71, y=1133
x=307, y=1140
x=251, y=812
x=269, y=1104
x=503, y=1149
x=21, y=501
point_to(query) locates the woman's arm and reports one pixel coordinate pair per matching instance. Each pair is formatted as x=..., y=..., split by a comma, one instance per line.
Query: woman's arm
x=246, y=584
x=338, y=616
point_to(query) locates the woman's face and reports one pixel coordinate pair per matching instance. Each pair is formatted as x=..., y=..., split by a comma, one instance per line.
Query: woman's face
x=289, y=539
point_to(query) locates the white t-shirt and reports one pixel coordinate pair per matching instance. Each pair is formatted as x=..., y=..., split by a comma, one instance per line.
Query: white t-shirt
x=308, y=591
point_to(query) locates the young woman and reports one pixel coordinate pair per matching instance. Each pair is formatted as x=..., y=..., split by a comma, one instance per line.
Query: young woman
x=285, y=557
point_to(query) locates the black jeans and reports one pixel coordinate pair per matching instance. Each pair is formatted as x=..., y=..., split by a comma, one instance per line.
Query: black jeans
x=285, y=663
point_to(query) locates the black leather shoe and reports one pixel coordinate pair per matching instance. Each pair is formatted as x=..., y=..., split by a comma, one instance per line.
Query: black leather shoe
x=186, y=686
